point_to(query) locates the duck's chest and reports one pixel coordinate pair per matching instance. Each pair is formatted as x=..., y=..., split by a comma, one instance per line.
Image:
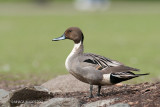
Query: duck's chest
x=68, y=62
x=72, y=59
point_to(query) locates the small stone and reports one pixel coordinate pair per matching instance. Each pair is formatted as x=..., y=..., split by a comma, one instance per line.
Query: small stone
x=99, y=103
x=119, y=85
x=120, y=105
x=41, y=88
x=133, y=103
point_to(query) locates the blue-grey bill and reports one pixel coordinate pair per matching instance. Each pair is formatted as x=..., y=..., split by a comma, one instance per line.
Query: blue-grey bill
x=59, y=38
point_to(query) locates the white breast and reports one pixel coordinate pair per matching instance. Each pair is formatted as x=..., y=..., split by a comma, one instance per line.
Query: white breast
x=73, y=52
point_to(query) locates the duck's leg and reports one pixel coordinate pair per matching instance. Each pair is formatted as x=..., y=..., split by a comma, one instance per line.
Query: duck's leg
x=91, y=89
x=99, y=90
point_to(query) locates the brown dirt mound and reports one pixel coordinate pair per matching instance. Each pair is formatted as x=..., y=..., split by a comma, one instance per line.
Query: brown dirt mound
x=29, y=95
x=139, y=95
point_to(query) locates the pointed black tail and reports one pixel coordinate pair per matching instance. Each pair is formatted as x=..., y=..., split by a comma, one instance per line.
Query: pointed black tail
x=123, y=76
x=141, y=74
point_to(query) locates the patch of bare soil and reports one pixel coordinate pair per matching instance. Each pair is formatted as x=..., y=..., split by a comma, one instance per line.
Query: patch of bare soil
x=138, y=95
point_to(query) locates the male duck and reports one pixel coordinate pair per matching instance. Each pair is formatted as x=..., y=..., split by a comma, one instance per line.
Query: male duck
x=91, y=68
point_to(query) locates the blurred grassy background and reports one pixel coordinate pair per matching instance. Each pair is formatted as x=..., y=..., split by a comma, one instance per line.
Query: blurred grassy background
x=128, y=32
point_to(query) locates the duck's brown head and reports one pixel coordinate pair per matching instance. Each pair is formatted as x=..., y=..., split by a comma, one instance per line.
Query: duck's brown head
x=72, y=33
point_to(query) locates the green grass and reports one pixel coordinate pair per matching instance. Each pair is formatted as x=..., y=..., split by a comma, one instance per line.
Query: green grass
x=128, y=32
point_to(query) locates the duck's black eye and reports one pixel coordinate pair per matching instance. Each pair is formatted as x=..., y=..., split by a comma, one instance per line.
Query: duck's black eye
x=70, y=30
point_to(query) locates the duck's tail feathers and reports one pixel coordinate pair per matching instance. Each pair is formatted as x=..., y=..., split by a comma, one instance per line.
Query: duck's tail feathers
x=141, y=74
x=123, y=76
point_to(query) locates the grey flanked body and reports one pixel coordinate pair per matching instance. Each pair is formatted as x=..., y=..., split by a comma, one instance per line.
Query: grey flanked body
x=91, y=68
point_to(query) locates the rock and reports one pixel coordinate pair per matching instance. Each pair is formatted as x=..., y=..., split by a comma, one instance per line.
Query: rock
x=120, y=105
x=4, y=97
x=41, y=88
x=66, y=83
x=61, y=102
x=28, y=105
x=99, y=103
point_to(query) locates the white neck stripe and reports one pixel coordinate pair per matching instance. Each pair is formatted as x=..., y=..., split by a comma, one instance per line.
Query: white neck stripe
x=74, y=50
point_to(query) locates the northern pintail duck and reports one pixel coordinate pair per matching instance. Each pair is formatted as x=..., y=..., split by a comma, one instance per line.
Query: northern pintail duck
x=91, y=68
